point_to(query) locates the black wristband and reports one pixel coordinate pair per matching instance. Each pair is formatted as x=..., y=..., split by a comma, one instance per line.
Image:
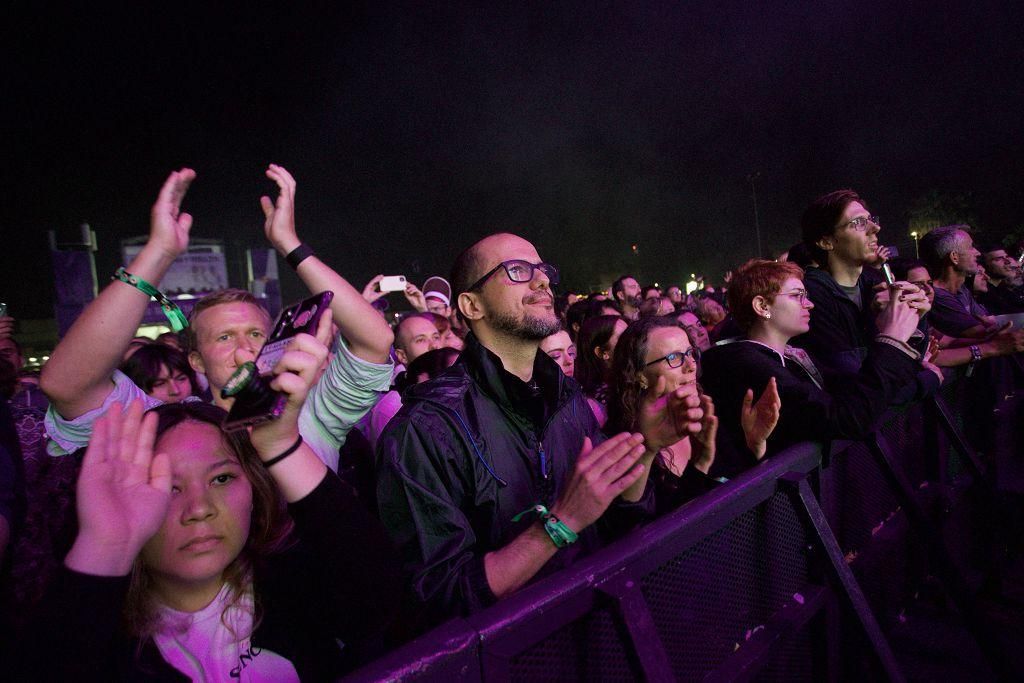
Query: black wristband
x=278, y=458
x=298, y=255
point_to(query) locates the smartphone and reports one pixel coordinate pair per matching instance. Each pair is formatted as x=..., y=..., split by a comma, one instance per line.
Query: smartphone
x=254, y=401
x=3, y=310
x=887, y=271
x=391, y=283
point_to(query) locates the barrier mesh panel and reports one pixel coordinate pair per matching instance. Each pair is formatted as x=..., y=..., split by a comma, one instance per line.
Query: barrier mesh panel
x=861, y=497
x=706, y=600
x=905, y=431
x=589, y=649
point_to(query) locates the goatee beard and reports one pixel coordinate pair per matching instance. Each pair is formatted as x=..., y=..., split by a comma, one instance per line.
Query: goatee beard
x=530, y=328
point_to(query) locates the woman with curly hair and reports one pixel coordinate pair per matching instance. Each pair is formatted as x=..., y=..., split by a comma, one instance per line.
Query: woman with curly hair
x=653, y=358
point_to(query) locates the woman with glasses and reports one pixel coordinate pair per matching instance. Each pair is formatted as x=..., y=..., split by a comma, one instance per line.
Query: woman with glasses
x=654, y=355
x=770, y=303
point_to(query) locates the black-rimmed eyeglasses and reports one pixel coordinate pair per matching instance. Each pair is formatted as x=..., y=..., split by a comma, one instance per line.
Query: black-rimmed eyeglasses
x=676, y=358
x=518, y=271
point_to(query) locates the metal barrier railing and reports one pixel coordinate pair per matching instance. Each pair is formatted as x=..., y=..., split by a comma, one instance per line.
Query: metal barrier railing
x=760, y=577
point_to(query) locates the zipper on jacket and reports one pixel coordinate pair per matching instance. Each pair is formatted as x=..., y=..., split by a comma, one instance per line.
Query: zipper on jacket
x=545, y=466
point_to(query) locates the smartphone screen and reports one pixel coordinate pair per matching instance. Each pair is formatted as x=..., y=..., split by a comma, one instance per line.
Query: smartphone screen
x=260, y=404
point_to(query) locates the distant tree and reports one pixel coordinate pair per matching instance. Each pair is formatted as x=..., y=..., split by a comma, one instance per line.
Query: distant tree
x=936, y=208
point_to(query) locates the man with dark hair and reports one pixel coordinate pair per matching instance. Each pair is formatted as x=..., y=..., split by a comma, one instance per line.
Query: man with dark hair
x=626, y=294
x=1002, y=296
x=504, y=432
x=843, y=237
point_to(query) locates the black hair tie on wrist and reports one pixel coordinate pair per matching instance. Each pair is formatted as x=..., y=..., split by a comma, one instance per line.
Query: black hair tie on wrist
x=278, y=458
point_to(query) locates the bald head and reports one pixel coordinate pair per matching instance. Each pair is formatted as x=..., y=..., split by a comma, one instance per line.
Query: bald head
x=471, y=264
x=415, y=335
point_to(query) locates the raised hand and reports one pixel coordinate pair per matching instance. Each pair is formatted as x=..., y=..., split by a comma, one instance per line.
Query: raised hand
x=6, y=327
x=666, y=417
x=168, y=226
x=123, y=492
x=371, y=292
x=759, y=419
x=415, y=297
x=600, y=476
x=279, y=225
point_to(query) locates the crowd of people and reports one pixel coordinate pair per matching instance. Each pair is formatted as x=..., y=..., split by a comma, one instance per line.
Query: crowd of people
x=498, y=432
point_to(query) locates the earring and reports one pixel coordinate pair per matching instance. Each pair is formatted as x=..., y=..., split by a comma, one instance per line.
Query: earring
x=767, y=315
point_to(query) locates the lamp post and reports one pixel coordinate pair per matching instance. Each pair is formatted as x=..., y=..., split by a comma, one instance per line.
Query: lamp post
x=917, y=251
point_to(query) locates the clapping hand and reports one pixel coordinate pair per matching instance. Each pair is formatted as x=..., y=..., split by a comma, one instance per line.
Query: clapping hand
x=666, y=417
x=168, y=226
x=759, y=419
x=704, y=440
x=279, y=225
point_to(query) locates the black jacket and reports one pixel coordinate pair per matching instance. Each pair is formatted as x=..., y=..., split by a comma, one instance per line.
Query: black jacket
x=339, y=582
x=847, y=410
x=467, y=452
x=840, y=333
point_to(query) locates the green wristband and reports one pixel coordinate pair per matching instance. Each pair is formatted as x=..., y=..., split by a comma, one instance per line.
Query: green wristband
x=560, y=534
x=174, y=315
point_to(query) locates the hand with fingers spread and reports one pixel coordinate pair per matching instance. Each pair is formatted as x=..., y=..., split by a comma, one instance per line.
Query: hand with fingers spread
x=759, y=419
x=168, y=226
x=666, y=417
x=123, y=493
x=600, y=476
x=415, y=297
x=279, y=225
x=371, y=292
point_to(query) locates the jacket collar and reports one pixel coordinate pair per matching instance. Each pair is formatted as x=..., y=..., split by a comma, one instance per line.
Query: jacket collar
x=487, y=370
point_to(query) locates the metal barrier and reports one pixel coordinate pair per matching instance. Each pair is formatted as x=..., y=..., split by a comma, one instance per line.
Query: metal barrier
x=751, y=580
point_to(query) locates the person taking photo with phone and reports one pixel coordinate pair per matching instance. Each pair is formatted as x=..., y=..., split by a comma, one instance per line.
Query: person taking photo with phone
x=227, y=329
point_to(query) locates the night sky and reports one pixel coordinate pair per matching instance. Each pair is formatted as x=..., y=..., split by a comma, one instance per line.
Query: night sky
x=586, y=127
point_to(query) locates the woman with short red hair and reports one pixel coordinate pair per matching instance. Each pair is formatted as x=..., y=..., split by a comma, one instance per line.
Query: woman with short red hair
x=769, y=302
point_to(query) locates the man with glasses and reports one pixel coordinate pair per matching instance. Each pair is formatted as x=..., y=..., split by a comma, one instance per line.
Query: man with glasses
x=843, y=237
x=496, y=472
